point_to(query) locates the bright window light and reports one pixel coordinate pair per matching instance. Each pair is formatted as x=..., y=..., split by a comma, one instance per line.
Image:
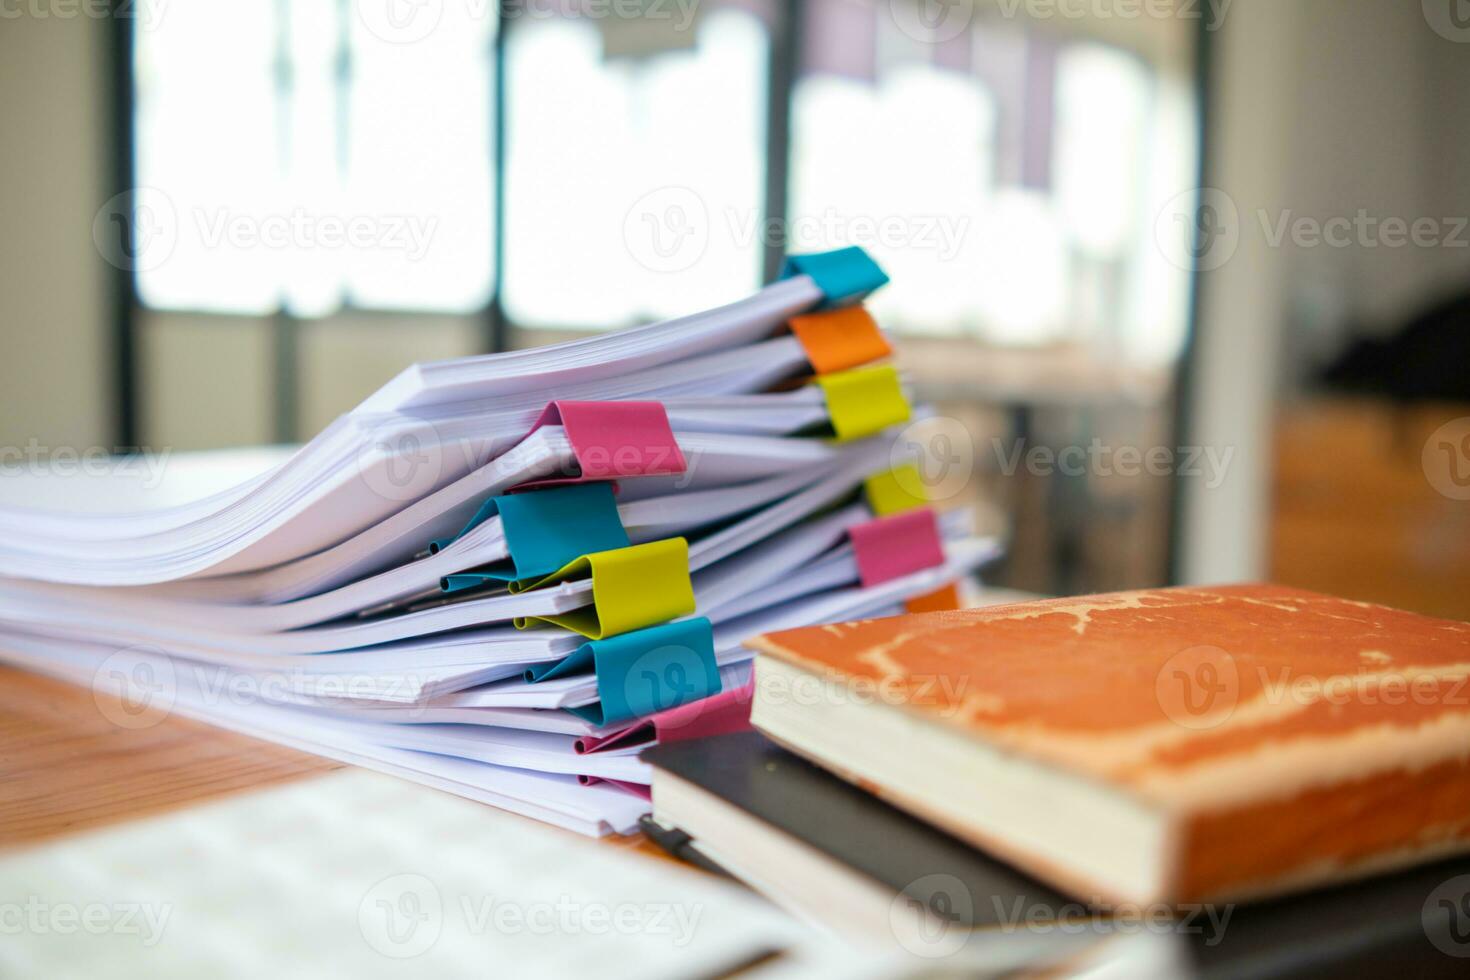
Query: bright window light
x=638, y=180
x=335, y=167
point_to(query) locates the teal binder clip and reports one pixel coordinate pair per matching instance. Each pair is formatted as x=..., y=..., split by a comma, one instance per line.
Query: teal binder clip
x=845, y=276
x=543, y=531
x=643, y=672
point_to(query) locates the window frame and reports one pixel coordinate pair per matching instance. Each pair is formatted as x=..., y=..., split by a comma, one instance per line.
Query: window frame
x=497, y=330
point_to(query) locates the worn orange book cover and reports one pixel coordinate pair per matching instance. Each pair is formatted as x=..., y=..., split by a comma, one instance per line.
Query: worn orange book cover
x=1206, y=742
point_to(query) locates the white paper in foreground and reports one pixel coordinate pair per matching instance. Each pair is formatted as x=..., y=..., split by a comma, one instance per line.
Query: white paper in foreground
x=359, y=875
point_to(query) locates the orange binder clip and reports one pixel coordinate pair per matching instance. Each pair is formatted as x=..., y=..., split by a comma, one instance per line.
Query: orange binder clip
x=835, y=340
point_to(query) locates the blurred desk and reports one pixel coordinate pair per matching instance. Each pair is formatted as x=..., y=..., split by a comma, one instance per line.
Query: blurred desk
x=1032, y=377
x=1070, y=532
x=178, y=850
x=65, y=768
x=1355, y=512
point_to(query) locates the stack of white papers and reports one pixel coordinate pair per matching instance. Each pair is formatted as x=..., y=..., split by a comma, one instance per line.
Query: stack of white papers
x=496, y=562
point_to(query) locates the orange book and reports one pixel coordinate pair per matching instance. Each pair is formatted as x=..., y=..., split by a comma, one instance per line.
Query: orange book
x=1177, y=745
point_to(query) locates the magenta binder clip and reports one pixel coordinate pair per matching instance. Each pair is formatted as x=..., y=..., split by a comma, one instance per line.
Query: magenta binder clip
x=722, y=714
x=613, y=440
x=897, y=545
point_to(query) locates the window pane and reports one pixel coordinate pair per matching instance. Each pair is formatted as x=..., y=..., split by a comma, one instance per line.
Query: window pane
x=311, y=276
x=419, y=153
x=633, y=183
x=1007, y=177
x=206, y=157
x=904, y=169
x=292, y=157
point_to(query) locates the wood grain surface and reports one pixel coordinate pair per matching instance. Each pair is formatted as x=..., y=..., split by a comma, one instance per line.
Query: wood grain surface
x=65, y=767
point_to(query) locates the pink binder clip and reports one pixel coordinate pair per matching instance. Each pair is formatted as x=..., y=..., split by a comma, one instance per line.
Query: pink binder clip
x=897, y=545
x=721, y=714
x=613, y=440
x=637, y=789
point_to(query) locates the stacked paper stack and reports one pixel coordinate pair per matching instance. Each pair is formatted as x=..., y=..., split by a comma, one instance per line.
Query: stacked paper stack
x=502, y=575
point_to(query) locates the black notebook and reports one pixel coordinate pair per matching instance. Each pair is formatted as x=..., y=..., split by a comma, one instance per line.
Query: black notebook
x=834, y=854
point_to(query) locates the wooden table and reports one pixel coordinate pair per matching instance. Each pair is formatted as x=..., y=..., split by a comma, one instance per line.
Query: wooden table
x=65, y=768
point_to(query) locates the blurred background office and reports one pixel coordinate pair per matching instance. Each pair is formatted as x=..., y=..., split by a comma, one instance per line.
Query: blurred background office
x=1184, y=274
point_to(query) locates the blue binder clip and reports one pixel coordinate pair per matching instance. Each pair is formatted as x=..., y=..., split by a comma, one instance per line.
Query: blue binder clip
x=543, y=531
x=845, y=276
x=643, y=672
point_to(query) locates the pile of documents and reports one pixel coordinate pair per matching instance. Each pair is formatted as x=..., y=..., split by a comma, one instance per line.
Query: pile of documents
x=503, y=575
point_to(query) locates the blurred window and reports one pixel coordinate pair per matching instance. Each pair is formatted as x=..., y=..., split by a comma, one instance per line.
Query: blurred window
x=334, y=165
x=636, y=154
x=1005, y=174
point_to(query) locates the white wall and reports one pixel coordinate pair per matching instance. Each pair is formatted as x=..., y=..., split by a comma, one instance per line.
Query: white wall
x=54, y=373
x=1323, y=107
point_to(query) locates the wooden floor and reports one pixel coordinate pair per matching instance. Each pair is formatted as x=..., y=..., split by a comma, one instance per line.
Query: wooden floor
x=66, y=766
